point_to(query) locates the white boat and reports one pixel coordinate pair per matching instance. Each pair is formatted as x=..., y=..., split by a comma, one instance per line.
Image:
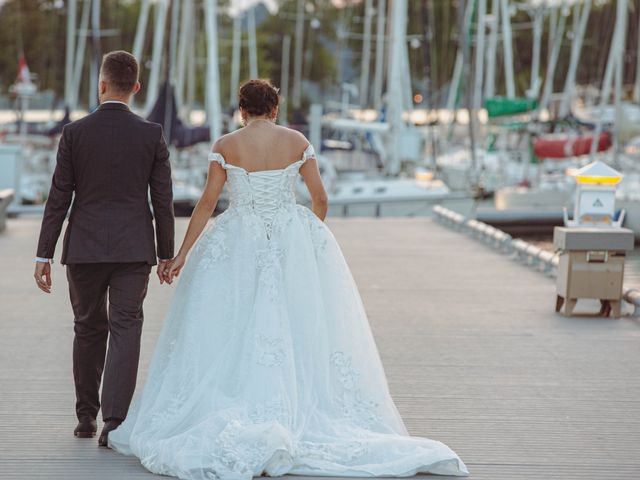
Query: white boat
x=493, y=169
x=387, y=197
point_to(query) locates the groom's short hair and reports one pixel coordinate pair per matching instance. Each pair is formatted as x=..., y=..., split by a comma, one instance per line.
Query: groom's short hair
x=120, y=70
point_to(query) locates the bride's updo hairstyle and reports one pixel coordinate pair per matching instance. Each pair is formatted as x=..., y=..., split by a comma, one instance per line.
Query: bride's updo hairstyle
x=258, y=98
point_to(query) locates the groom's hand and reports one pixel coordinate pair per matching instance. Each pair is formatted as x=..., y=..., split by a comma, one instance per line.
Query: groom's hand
x=43, y=276
x=163, y=268
x=175, y=268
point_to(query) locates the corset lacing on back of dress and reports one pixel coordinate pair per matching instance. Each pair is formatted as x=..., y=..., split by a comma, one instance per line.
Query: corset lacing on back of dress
x=264, y=192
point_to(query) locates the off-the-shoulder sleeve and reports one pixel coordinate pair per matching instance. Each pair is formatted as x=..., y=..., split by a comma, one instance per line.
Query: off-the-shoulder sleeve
x=308, y=153
x=217, y=157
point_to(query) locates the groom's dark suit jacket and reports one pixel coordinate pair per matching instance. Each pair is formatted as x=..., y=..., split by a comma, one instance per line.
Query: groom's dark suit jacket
x=111, y=160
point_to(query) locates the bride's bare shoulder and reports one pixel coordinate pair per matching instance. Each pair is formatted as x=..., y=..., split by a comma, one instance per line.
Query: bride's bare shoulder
x=223, y=143
x=294, y=138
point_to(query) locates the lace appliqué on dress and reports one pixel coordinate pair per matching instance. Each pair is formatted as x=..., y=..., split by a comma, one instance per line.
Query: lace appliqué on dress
x=161, y=416
x=212, y=246
x=318, y=230
x=270, y=351
x=360, y=411
x=270, y=271
x=234, y=455
x=273, y=411
x=329, y=452
x=319, y=238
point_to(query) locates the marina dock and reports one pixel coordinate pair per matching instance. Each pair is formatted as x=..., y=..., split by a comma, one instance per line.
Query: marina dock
x=474, y=353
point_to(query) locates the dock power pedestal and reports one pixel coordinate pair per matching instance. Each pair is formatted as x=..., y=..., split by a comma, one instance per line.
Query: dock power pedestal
x=591, y=265
x=592, y=245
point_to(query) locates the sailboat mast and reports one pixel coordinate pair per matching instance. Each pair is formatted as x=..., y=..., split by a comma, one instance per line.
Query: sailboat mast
x=95, y=54
x=79, y=57
x=213, y=73
x=70, y=51
x=284, y=80
x=534, y=86
x=297, y=60
x=576, y=49
x=191, y=66
x=365, y=63
x=466, y=61
x=141, y=30
x=395, y=81
x=617, y=94
x=185, y=50
x=507, y=48
x=464, y=22
x=253, y=46
x=235, y=58
x=479, y=58
x=553, y=62
x=173, y=41
x=492, y=47
x=616, y=53
x=380, y=44
x=636, y=87
x=156, y=54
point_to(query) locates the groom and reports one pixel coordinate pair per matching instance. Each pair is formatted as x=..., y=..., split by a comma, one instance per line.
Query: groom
x=108, y=162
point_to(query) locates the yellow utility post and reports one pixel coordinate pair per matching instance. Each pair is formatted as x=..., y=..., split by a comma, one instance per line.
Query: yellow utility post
x=593, y=244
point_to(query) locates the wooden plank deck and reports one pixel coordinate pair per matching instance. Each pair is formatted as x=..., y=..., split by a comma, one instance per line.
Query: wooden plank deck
x=474, y=355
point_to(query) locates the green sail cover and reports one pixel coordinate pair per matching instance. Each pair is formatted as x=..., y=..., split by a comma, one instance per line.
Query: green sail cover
x=501, y=106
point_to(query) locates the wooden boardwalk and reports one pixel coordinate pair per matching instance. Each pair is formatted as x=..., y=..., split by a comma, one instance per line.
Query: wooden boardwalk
x=473, y=352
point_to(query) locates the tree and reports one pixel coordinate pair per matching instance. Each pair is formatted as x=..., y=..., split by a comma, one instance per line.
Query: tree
x=35, y=28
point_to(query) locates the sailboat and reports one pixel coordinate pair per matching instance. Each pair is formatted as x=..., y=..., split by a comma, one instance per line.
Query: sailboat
x=600, y=135
x=398, y=184
x=25, y=153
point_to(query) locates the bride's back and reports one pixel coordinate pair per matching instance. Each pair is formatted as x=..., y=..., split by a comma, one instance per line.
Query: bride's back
x=262, y=145
x=269, y=151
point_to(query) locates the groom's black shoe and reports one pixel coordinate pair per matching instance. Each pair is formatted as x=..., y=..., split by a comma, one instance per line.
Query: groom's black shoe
x=86, y=428
x=109, y=425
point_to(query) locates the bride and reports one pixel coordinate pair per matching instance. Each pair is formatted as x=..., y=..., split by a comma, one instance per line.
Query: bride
x=266, y=364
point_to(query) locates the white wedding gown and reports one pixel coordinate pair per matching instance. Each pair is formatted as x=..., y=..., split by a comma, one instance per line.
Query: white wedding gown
x=266, y=363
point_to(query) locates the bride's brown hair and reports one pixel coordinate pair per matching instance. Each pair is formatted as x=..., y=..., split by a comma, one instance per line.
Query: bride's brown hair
x=258, y=97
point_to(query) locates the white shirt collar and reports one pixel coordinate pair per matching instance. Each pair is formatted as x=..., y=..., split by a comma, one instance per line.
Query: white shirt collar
x=114, y=101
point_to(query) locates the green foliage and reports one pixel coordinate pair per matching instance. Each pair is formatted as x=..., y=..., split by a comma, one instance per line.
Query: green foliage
x=35, y=27
x=38, y=28
x=319, y=62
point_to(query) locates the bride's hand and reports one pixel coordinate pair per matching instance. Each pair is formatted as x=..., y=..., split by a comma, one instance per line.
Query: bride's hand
x=174, y=270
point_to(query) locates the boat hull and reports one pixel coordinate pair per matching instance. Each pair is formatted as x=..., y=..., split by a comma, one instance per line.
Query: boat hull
x=564, y=146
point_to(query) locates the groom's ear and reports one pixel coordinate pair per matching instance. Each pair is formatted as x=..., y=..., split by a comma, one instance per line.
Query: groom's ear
x=136, y=88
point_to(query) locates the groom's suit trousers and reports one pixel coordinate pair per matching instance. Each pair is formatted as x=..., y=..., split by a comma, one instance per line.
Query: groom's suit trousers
x=107, y=303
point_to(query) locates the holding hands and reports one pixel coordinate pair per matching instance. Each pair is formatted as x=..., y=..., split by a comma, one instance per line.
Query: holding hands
x=163, y=266
x=170, y=269
x=167, y=270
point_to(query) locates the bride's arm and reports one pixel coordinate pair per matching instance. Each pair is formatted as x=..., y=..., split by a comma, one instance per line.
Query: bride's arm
x=311, y=176
x=200, y=216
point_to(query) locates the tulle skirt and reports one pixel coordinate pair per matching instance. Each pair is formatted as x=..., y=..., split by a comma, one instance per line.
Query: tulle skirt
x=266, y=365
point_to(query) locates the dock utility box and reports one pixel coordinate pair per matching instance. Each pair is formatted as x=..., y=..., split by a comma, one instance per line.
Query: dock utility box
x=591, y=265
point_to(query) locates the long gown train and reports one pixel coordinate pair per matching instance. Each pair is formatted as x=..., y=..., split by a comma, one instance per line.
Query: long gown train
x=266, y=363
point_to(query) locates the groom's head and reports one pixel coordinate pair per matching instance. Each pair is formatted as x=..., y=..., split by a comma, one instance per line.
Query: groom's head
x=118, y=76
